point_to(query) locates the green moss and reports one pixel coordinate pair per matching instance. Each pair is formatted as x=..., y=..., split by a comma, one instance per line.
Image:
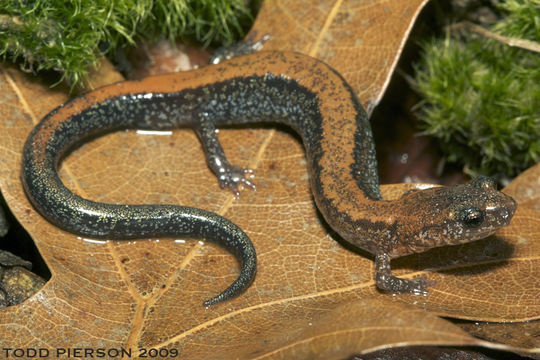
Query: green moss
x=522, y=19
x=482, y=99
x=70, y=36
x=208, y=21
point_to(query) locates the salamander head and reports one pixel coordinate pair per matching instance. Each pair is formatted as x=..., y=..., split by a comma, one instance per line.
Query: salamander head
x=453, y=215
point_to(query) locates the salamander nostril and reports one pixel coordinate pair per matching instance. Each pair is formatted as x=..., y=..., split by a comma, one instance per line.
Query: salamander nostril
x=510, y=206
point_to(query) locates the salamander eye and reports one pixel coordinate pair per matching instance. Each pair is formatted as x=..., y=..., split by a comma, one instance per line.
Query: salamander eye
x=472, y=217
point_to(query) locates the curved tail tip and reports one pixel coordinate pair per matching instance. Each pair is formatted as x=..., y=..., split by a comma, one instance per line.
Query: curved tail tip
x=235, y=289
x=247, y=275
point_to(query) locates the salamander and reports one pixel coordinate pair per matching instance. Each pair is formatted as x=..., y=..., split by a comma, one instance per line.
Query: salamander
x=277, y=87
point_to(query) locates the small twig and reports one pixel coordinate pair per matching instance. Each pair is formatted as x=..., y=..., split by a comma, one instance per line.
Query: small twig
x=510, y=41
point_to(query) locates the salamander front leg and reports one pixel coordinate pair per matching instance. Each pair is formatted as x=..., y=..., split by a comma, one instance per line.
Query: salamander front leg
x=385, y=280
x=229, y=176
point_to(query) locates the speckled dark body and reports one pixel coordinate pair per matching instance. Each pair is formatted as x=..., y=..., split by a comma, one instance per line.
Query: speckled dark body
x=289, y=88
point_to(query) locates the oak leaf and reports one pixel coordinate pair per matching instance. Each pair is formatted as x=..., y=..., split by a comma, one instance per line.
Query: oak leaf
x=313, y=295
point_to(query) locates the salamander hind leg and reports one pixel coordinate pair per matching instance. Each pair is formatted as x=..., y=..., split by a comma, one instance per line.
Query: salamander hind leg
x=386, y=281
x=229, y=176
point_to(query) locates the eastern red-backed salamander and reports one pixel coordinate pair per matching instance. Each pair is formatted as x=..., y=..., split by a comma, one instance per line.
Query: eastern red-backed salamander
x=287, y=88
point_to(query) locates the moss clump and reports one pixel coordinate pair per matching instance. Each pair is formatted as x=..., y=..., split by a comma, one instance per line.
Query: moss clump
x=521, y=19
x=208, y=21
x=482, y=97
x=70, y=36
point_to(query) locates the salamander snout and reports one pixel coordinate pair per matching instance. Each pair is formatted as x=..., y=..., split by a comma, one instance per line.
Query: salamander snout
x=479, y=209
x=458, y=214
x=507, y=210
x=498, y=206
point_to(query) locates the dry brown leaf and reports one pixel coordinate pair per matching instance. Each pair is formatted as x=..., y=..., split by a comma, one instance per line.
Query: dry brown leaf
x=523, y=335
x=311, y=294
x=360, y=39
x=152, y=290
x=102, y=74
x=525, y=189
